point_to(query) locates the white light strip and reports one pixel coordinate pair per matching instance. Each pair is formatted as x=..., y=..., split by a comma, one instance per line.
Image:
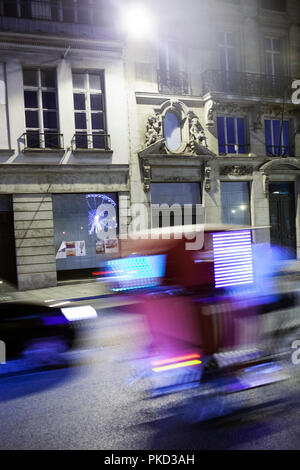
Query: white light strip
x=84, y=312
x=60, y=303
x=232, y=259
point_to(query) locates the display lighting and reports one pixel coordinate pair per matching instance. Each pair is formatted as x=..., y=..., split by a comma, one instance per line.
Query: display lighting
x=233, y=263
x=138, y=272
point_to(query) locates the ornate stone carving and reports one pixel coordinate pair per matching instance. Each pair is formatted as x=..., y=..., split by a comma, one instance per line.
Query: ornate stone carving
x=153, y=129
x=147, y=175
x=207, y=181
x=196, y=133
x=223, y=108
x=236, y=170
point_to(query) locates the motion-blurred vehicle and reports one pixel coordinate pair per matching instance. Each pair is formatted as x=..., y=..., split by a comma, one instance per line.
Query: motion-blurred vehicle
x=204, y=304
x=35, y=330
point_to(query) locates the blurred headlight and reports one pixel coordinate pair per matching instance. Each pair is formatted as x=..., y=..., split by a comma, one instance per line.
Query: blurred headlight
x=84, y=312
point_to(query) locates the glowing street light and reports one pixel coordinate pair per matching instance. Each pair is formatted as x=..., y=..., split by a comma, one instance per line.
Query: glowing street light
x=137, y=21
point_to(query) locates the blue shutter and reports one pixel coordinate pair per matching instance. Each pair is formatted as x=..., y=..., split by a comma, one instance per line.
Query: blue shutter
x=230, y=135
x=221, y=134
x=241, y=135
x=268, y=137
x=277, y=142
x=285, y=138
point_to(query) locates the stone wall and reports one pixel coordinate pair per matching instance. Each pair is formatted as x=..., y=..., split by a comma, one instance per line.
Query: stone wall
x=33, y=219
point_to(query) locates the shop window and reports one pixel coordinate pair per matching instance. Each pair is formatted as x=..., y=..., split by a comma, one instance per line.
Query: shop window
x=231, y=135
x=235, y=202
x=277, y=137
x=85, y=229
x=184, y=197
x=90, y=122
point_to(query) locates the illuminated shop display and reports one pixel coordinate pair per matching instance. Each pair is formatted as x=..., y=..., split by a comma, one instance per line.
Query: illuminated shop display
x=102, y=215
x=233, y=261
x=138, y=272
x=85, y=229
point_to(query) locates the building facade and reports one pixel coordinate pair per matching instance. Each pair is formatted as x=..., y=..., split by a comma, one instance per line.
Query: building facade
x=198, y=112
x=214, y=119
x=64, y=152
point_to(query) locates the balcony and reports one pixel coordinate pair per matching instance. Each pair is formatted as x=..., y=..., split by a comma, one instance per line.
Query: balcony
x=35, y=140
x=93, y=142
x=246, y=84
x=173, y=83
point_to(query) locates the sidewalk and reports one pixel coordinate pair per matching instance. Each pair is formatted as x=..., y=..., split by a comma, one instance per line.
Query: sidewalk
x=73, y=291
x=76, y=291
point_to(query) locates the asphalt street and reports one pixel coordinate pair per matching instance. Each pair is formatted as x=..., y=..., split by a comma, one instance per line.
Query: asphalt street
x=102, y=401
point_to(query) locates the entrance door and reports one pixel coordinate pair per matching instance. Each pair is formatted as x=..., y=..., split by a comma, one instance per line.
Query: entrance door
x=7, y=241
x=282, y=217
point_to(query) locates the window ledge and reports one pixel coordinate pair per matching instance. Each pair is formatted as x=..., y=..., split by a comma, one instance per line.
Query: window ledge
x=92, y=151
x=43, y=151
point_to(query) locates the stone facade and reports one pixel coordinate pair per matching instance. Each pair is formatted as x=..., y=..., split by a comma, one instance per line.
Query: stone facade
x=208, y=64
x=229, y=60
x=43, y=40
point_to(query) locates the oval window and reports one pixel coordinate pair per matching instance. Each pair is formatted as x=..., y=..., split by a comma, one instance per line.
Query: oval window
x=172, y=131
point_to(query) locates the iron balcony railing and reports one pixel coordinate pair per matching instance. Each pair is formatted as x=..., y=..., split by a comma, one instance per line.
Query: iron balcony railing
x=233, y=148
x=94, y=141
x=176, y=83
x=246, y=84
x=43, y=140
x=280, y=150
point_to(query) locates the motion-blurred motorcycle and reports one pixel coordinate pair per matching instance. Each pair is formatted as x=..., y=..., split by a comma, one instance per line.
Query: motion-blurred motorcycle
x=206, y=305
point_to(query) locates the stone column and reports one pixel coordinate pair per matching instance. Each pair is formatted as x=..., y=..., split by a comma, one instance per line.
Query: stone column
x=124, y=212
x=212, y=198
x=260, y=211
x=4, y=139
x=35, y=251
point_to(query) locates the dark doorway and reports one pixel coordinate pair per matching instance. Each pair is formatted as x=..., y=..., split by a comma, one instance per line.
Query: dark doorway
x=8, y=271
x=283, y=218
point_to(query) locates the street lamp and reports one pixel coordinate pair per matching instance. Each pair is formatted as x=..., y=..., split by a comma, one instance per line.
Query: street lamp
x=137, y=20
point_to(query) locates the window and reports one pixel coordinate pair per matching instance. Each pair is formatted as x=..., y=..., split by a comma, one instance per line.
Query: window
x=172, y=131
x=231, y=135
x=85, y=229
x=277, y=5
x=171, y=78
x=227, y=51
x=273, y=53
x=69, y=11
x=10, y=8
x=186, y=197
x=277, y=137
x=41, y=9
x=88, y=88
x=40, y=98
x=235, y=203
